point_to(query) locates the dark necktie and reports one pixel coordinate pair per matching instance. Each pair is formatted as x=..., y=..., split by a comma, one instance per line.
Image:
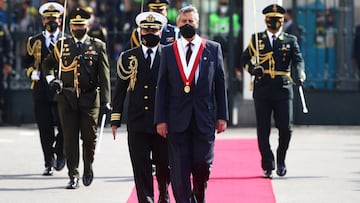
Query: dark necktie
x=148, y=58
x=188, y=53
x=51, y=45
x=78, y=45
x=273, y=40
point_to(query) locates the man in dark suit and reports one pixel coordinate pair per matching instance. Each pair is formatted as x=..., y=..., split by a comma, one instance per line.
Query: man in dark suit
x=169, y=32
x=83, y=85
x=191, y=103
x=138, y=70
x=45, y=108
x=277, y=63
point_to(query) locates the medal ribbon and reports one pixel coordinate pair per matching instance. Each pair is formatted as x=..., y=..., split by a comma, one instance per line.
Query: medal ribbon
x=188, y=81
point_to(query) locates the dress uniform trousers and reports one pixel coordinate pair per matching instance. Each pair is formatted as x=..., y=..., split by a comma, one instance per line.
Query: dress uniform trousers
x=283, y=118
x=140, y=146
x=83, y=120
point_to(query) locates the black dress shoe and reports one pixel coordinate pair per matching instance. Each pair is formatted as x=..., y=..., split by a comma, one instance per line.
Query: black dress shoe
x=60, y=164
x=268, y=174
x=88, y=178
x=73, y=184
x=48, y=171
x=281, y=170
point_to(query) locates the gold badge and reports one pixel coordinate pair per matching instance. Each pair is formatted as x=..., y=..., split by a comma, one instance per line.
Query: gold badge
x=187, y=89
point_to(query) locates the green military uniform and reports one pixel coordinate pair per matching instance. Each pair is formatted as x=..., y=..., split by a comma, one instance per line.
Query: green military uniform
x=86, y=85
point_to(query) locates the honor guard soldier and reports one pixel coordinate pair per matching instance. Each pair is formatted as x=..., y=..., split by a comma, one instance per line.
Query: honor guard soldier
x=169, y=32
x=274, y=59
x=82, y=85
x=46, y=115
x=137, y=74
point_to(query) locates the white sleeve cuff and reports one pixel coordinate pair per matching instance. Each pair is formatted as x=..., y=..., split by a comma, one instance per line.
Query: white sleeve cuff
x=50, y=78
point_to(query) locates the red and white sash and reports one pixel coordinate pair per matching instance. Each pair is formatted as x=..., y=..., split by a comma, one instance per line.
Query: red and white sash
x=186, y=73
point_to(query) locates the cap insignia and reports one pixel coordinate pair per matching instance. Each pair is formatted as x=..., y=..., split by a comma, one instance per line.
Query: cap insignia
x=274, y=8
x=150, y=18
x=51, y=8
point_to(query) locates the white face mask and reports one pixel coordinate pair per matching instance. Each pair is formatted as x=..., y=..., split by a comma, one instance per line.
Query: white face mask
x=223, y=9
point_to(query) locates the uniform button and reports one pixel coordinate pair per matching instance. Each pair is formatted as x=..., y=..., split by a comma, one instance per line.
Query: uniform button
x=145, y=86
x=146, y=108
x=146, y=97
x=78, y=74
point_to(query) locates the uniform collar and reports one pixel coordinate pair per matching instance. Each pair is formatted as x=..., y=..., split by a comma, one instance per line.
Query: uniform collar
x=145, y=48
x=269, y=34
x=82, y=40
x=55, y=34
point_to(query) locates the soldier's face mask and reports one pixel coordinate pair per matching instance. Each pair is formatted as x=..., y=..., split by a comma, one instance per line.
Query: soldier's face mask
x=51, y=26
x=273, y=23
x=79, y=33
x=150, y=40
x=187, y=31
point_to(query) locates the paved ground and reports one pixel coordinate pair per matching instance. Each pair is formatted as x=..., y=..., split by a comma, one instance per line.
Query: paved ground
x=323, y=167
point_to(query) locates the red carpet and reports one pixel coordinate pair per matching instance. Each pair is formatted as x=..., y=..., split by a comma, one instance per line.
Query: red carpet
x=236, y=175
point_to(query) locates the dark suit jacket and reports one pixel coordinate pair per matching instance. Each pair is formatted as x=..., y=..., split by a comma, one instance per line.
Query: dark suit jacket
x=287, y=58
x=140, y=116
x=207, y=102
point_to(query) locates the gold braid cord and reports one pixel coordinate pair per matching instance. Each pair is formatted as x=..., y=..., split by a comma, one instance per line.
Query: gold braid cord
x=34, y=50
x=263, y=58
x=130, y=72
x=269, y=57
x=71, y=67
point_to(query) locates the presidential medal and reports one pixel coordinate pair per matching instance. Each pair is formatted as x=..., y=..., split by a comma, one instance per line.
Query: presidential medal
x=187, y=89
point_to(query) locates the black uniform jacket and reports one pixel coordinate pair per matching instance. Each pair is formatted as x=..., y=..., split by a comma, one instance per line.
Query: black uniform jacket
x=283, y=63
x=35, y=55
x=140, y=81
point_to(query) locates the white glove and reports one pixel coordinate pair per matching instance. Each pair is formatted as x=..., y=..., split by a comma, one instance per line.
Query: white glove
x=35, y=75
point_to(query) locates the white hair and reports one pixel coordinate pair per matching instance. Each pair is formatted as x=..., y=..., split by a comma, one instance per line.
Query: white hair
x=188, y=9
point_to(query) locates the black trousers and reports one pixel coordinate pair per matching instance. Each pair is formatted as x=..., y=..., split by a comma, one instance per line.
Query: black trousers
x=146, y=149
x=190, y=153
x=283, y=115
x=47, y=119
